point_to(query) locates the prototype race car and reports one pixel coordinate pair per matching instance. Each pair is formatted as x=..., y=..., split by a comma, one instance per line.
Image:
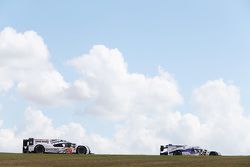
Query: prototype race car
x=32, y=145
x=171, y=149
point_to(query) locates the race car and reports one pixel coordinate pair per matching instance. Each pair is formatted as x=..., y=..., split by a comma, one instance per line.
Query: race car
x=32, y=145
x=172, y=149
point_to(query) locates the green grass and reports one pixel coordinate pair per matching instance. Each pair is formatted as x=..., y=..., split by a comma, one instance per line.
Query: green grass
x=34, y=160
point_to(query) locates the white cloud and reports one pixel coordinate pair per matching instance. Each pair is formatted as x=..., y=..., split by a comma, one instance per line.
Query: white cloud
x=5, y=82
x=118, y=93
x=25, y=63
x=142, y=134
x=147, y=108
x=8, y=140
x=79, y=90
x=38, y=125
x=144, y=109
x=218, y=107
x=19, y=50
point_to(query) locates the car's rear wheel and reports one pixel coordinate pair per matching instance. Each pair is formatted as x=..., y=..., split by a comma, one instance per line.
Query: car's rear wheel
x=213, y=153
x=81, y=150
x=39, y=149
x=177, y=152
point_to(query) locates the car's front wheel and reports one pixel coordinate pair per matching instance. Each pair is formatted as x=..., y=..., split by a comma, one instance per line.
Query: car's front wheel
x=177, y=152
x=213, y=153
x=39, y=149
x=81, y=150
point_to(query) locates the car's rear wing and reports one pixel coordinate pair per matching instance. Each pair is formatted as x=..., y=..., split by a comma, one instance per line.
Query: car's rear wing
x=26, y=144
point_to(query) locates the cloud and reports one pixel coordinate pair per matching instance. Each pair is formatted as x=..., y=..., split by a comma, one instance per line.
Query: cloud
x=142, y=134
x=118, y=93
x=8, y=140
x=143, y=109
x=218, y=106
x=135, y=136
x=25, y=64
x=38, y=125
x=146, y=108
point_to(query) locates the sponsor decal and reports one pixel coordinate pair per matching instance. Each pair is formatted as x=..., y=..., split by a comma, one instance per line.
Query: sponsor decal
x=69, y=150
x=54, y=150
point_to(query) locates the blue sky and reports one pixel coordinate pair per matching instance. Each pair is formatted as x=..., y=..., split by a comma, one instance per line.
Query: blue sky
x=206, y=39
x=195, y=41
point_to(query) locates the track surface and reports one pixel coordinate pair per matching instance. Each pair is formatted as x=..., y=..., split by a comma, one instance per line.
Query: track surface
x=41, y=160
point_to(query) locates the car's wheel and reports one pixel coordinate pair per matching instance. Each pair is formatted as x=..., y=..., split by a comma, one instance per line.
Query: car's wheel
x=177, y=152
x=81, y=150
x=213, y=153
x=39, y=149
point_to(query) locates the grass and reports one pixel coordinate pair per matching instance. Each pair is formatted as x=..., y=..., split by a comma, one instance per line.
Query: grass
x=54, y=160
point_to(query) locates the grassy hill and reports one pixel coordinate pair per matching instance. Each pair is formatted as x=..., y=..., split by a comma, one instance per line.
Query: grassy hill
x=41, y=160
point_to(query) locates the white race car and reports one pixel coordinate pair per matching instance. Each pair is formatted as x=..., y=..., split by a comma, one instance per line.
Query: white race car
x=172, y=149
x=32, y=145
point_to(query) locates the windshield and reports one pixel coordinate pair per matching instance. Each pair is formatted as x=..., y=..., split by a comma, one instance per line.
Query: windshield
x=68, y=144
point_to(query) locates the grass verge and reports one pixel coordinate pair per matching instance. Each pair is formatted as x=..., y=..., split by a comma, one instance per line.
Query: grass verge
x=54, y=160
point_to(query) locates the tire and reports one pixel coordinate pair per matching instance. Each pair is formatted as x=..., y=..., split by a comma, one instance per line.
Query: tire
x=81, y=150
x=213, y=153
x=177, y=152
x=39, y=149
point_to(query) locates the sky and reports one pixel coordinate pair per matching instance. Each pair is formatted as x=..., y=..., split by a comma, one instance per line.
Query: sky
x=125, y=77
